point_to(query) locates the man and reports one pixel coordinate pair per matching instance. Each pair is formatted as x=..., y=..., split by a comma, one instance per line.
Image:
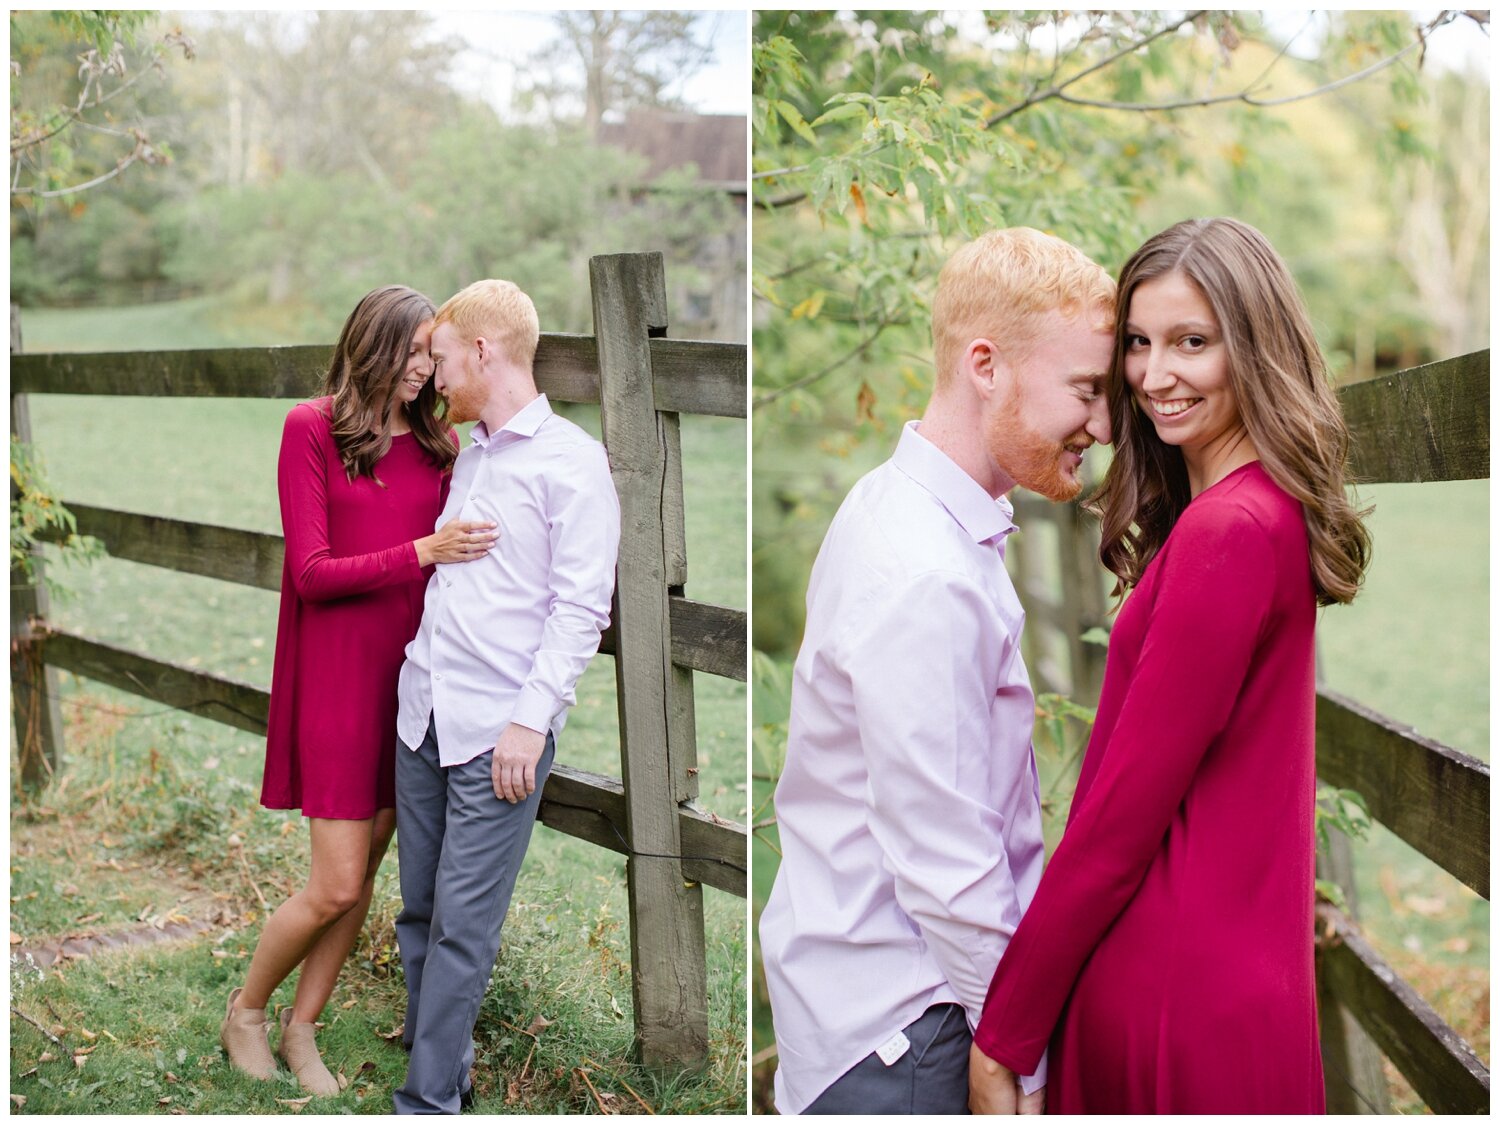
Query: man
x=488, y=679
x=908, y=808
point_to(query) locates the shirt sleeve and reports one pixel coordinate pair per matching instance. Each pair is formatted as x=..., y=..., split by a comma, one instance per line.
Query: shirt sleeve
x=924, y=664
x=1213, y=599
x=302, y=481
x=583, y=522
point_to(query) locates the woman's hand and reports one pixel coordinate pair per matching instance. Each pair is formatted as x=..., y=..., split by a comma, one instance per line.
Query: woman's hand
x=457, y=541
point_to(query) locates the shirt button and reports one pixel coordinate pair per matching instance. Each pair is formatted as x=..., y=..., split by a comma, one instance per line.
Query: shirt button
x=437, y=675
x=438, y=632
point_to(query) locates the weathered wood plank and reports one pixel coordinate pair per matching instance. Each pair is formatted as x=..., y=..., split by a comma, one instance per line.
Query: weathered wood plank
x=666, y=919
x=709, y=638
x=695, y=376
x=1426, y=423
x=249, y=558
x=1441, y=1067
x=591, y=807
x=1432, y=796
x=705, y=637
x=232, y=702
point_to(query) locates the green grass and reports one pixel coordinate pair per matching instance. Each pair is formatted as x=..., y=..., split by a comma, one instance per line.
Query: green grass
x=136, y=824
x=1414, y=645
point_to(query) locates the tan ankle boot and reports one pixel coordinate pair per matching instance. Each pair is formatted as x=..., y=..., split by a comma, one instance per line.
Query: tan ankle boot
x=299, y=1050
x=243, y=1034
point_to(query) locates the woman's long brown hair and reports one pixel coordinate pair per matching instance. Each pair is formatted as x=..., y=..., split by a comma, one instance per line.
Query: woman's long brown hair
x=368, y=362
x=1281, y=386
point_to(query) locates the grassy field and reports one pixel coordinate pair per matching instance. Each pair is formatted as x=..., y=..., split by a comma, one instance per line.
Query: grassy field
x=154, y=820
x=1414, y=645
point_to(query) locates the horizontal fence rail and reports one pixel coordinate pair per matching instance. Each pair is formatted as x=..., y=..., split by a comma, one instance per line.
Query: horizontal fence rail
x=1427, y=423
x=1442, y=1068
x=1435, y=798
x=576, y=802
x=688, y=376
x=705, y=637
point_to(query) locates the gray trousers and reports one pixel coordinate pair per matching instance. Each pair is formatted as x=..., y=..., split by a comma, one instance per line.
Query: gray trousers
x=931, y=1077
x=460, y=848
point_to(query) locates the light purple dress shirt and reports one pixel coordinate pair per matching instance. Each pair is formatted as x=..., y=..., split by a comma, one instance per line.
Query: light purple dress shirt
x=505, y=638
x=908, y=808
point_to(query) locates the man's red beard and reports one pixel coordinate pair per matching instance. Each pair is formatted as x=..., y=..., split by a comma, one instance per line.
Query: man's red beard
x=464, y=404
x=1031, y=460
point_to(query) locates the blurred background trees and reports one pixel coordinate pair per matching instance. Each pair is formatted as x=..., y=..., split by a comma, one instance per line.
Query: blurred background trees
x=302, y=158
x=882, y=139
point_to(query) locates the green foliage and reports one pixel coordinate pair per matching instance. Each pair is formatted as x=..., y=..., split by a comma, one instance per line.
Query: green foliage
x=881, y=139
x=36, y=514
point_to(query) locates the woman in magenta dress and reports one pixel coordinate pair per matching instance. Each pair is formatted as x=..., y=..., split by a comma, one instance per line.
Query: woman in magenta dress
x=1168, y=954
x=362, y=478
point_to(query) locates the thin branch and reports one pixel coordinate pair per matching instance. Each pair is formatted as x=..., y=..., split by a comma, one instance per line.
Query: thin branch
x=95, y=182
x=1054, y=91
x=780, y=172
x=781, y=201
x=1245, y=95
x=17, y=1012
x=807, y=380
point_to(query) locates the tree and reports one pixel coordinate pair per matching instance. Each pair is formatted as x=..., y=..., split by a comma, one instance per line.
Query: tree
x=882, y=137
x=49, y=158
x=616, y=61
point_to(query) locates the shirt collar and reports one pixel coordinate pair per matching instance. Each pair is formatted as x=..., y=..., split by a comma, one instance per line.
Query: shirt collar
x=523, y=423
x=981, y=515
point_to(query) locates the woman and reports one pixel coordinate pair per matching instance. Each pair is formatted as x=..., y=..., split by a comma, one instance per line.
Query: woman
x=1168, y=953
x=363, y=476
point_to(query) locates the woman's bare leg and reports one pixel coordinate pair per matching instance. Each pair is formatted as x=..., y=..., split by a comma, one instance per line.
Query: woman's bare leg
x=340, y=859
x=320, y=969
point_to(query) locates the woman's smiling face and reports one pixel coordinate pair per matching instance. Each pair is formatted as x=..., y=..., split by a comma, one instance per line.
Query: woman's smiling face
x=1177, y=366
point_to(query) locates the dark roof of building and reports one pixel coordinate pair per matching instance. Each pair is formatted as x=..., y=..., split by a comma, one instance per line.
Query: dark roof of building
x=714, y=142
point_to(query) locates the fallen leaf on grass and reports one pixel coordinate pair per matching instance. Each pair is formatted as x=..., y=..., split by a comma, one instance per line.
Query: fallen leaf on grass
x=1427, y=907
x=538, y=1024
x=394, y=1033
x=347, y=1004
x=87, y=918
x=83, y=1051
x=297, y=1104
x=87, y=1034
x=18, y=1100
x=15, y=938
x=164, y=1101
x=364, y=1066
x=170, y=1077
x=79, y=1060
x=30, y=1073
x=343, y=1081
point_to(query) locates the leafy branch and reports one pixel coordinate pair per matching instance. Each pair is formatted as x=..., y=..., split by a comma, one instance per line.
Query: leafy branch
x=102, y=72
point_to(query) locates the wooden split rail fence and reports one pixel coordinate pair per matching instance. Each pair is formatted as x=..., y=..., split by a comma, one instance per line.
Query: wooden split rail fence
x=658, y=636
x=1429, y=423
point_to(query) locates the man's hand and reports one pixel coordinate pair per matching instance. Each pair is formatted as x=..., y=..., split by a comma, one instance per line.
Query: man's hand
x=513, y=766
x=995, y=1089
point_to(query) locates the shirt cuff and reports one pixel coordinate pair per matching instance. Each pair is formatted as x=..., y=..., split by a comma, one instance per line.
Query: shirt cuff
x=534, y=709
x=1031, y=1083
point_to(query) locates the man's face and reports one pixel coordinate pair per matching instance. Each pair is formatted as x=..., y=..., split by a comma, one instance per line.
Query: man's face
x=456, y=375
x=1056, y=407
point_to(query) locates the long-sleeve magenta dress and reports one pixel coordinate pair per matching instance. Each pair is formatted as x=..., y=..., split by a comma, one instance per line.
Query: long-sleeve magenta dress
x=1168, y=954
x=351, y=601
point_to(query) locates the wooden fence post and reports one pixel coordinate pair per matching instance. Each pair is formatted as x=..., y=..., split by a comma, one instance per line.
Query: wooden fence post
x=1083, y=600
x=1353, y=1078
x=666, y=912
x=33, y=684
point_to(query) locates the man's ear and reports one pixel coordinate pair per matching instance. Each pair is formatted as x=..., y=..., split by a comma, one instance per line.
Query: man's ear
x=982, y=366
x=481, y=346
